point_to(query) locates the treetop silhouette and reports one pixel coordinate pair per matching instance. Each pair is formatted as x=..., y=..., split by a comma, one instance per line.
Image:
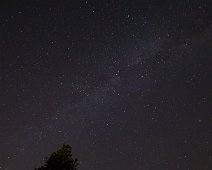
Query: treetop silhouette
x=61, y=160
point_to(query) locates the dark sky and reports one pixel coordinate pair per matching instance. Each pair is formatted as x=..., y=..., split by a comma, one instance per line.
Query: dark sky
x=127, y=83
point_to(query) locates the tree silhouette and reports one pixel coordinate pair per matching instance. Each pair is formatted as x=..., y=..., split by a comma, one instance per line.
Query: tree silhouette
x=60, y=160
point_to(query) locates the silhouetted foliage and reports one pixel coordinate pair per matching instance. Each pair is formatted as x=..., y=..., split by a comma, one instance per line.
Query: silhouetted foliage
x=60, y=160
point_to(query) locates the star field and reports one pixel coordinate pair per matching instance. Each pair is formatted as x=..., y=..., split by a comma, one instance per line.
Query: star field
x=126, y=83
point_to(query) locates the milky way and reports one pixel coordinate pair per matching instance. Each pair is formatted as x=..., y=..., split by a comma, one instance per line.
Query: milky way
x=126, y=83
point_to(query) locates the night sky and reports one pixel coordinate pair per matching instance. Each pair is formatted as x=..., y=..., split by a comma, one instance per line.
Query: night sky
x=127, y=83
